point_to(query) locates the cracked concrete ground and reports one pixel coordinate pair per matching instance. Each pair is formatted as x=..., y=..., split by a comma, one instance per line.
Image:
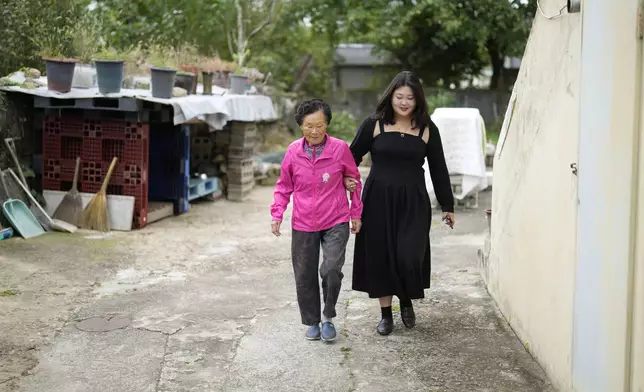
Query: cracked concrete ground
x=206, y=302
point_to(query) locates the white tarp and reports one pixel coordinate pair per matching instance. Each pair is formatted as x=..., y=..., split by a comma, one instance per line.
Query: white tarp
x=462, y=132
x=215, y=110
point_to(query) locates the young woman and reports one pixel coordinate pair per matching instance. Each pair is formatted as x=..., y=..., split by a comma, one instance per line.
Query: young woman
x=392, y=255
x=313, y=171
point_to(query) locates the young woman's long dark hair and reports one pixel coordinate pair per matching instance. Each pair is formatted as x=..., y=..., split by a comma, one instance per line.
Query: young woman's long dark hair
x=385, y=111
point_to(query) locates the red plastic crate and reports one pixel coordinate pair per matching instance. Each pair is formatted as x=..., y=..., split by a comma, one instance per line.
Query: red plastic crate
x=97, y=142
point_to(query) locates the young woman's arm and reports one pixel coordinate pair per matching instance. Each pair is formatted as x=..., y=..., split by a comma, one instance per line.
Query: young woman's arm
x=361, y=144
x=351, y=170
x=438, y=169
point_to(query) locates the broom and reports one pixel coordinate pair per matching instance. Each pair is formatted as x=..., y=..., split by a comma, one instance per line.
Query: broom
x=95, y=215
x=70, y=209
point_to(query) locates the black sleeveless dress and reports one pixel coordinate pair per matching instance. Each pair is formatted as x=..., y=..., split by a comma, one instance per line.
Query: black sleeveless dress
x=392, y=253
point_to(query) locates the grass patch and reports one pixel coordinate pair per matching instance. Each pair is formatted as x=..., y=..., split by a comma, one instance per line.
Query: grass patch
x=8, y=293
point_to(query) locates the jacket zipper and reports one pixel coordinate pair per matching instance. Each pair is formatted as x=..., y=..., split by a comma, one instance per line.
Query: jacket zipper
x=315, y=194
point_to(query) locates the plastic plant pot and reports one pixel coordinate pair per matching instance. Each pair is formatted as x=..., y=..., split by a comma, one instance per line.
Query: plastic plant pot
x=238, y=84
x=207, y=82
x=162, y=79
x=221, y=79
x=186, y=81
x=109, y=74
x=60, y=74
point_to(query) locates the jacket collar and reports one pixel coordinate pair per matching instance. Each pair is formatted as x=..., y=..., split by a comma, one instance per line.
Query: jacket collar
x=326, y=152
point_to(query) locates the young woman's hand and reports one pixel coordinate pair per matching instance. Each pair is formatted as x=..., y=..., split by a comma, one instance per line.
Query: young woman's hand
x=275, y=228
x=449, y=219
x=350, y=184
x=356, y=225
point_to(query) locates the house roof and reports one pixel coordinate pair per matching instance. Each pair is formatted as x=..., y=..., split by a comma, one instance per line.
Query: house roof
x=359, y=54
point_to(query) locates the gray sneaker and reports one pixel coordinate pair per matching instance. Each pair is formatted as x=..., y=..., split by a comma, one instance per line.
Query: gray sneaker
x=313, y=333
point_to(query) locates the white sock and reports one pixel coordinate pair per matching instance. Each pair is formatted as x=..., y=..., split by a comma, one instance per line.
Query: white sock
x=326, y=320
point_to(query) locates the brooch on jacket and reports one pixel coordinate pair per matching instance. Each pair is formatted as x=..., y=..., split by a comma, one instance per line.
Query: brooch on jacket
x=325, y=177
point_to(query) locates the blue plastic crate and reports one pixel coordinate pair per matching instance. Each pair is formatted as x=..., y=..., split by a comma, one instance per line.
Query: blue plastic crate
x=6, y=233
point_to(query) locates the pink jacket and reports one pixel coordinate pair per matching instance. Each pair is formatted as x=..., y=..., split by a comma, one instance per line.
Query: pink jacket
x=319, y=197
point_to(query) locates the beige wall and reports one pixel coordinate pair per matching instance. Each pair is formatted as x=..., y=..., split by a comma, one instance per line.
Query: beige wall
x=566, y=264
x=531, y=265
x=637, y=364
x=610, y=107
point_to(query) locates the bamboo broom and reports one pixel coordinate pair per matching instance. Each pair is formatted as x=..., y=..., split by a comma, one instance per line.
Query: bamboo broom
x=71, y=208
x=95, y=215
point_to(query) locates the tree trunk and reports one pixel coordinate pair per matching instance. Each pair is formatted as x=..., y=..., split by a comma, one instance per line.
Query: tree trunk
x=303, y=74
x=496, y=59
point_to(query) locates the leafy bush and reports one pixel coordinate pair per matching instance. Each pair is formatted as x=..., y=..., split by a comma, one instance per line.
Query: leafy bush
x=30, y=28
x=343, y=126
x=441, y=99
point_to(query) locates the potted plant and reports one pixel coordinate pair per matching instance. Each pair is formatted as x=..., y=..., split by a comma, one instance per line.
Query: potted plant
x=185, y=80
x=238, y=81
x=59, y=70
x=228, y=67
x=207, y=78
x=135, y=66
x=185, y=57
x=163, y=72
x=85, y=40
x=109, y=71
x=209, y=69
x=254, y=77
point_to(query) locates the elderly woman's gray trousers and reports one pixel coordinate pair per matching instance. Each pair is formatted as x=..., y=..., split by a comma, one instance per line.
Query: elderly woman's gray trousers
x=305, y=249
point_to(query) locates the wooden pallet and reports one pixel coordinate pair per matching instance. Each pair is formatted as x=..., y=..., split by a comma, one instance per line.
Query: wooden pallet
x=198, y=188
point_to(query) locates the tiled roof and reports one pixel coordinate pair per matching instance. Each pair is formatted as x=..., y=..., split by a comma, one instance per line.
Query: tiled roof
x=359, y=54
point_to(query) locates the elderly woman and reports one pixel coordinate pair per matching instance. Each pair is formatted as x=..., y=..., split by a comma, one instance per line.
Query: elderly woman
x=313, y=171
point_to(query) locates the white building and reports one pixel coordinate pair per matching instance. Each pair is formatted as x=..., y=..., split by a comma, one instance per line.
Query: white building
x=566, y=264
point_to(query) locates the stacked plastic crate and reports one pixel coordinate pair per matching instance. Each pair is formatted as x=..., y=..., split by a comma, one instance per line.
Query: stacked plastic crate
x=97, y=142
x=240, y=168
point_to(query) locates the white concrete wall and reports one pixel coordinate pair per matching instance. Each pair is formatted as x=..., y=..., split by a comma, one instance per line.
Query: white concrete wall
x=609, y=124
x=531, y=266
x=637, y=364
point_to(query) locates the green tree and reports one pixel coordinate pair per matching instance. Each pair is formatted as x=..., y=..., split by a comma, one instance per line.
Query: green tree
x=28, y=26
x=444, y=41
x=504, y=27
x=173, y=23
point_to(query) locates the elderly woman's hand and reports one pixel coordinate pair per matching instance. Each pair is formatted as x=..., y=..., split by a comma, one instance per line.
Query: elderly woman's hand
x=356, y=225
x=350, y=184
x=275, y=228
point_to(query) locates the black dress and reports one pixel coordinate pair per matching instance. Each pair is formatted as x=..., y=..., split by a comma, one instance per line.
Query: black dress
x=392, y=255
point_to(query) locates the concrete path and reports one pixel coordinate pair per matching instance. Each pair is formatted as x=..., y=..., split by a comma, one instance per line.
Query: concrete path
x=206, y=302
